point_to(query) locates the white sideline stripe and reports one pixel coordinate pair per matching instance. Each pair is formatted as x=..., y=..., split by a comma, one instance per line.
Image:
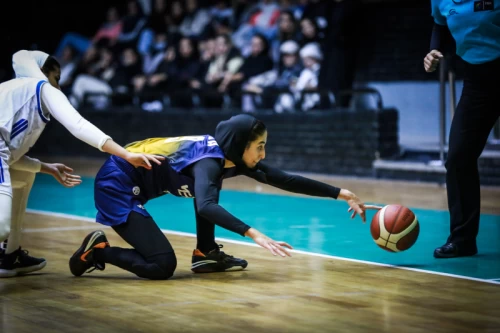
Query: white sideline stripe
x=187, y=234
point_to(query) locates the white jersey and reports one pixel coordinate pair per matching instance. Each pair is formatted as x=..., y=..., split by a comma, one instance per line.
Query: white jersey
x=22, y=119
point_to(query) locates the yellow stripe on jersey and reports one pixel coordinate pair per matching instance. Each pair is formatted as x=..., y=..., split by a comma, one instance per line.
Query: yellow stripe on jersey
x=161, y=146
x=156, y=146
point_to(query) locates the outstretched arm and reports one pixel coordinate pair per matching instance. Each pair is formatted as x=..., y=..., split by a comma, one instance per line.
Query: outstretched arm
x=293, y=183
x=62, y=173
x=58, y=105
x=207, y=174
x=298, y=184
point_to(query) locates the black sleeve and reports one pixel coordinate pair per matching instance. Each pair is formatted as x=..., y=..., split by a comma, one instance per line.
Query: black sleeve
x=441, y=39
x=207, y=174
x=292, y=183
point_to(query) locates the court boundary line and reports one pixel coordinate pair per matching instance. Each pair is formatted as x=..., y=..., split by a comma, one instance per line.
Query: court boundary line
x=187, y=234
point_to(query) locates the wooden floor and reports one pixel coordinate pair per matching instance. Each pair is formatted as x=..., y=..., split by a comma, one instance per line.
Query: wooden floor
x=299, y=294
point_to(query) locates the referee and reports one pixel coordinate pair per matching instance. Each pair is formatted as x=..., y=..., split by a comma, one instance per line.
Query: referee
x=475, y=28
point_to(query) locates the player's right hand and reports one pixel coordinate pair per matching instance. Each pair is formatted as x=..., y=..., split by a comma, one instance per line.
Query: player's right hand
x=431, y=60
x=276, y=248
x=143, y=160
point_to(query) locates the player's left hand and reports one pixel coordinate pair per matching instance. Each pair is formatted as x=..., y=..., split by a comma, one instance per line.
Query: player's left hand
x=356, y=206
x=363, y=208
x=63, y=175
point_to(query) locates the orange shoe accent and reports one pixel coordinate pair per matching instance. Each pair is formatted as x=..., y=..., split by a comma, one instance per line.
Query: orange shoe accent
x=97, y=246
x=198, y=253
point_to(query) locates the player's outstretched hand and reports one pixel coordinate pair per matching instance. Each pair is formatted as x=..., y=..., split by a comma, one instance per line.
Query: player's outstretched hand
x=143, y=160
x=275, y=247
x=62, y=174
x=356, y=206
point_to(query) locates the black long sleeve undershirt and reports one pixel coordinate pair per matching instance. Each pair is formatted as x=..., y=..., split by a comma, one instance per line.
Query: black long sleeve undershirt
x=292, y=183
x=441, y=39
x=208, y=172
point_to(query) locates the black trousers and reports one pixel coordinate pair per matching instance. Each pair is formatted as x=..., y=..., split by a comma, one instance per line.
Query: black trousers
x=476, y=114
x=152, y=256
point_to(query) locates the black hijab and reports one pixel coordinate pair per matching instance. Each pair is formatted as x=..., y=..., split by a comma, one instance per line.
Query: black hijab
x=232, y=136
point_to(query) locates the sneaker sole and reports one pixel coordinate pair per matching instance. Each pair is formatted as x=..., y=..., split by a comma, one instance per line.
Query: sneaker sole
x=210, y=266
x=21, y=271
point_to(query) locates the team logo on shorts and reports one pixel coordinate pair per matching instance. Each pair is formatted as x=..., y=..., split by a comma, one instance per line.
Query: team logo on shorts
x=136, y=190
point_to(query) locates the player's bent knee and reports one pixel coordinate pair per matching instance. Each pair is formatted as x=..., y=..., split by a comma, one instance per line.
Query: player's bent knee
x=168, y=264
x=164, y=267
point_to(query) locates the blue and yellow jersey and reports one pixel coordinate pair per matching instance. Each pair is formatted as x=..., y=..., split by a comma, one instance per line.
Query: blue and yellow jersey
x=169, y=177
x=180, y=151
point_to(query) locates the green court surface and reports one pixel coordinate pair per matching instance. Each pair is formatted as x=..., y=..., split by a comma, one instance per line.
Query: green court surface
x=315, y=225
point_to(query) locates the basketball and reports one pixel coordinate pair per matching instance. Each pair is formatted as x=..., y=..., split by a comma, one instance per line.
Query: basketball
x=395, y=228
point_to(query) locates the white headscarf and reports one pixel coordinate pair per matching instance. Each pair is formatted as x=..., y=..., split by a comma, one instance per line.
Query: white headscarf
x=28, y=63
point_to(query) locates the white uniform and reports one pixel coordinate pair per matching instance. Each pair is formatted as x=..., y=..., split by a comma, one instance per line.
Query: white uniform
x=25, y=105
x=22, y=121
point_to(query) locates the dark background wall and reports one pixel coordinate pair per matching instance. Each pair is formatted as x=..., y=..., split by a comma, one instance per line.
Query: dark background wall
x=342, y=143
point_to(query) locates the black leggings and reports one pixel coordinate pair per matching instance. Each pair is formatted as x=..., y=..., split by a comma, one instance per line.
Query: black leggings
x=476, y=114
x=152, y=256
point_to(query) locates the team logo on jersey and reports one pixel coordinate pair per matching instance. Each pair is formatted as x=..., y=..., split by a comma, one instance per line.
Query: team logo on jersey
x=136, y=190
x=184, y=192
x=141, y=206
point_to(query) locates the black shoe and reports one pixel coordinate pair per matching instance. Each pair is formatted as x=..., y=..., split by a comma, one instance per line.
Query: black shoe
x=82, y=260
x=3, y=247
x=19, y=262
x=215, y=261
x=453, y=250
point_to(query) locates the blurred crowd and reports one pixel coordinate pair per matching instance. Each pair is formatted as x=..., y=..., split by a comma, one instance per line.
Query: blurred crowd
x=191, y=53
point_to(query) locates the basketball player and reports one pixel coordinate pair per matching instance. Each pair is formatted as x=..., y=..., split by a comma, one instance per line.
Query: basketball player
x=196, y=168
x=475, y=27
x=27, y=104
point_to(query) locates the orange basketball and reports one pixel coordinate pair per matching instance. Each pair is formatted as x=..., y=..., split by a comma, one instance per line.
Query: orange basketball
x=395, y=228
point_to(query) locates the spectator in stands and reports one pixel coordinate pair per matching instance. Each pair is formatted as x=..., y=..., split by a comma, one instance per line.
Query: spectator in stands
x=92, y=80
x=109, y=77
x=154, y=34
x=152, y=58
x=133, y=24
x=185, y=69
x=206, y=48
x=318, y=11
x=294, y=7
x=227, y=62
x=262, y=19
x=269, y=86
x=109, y=30
x=174, y=18
x=310, y=32
x=151, y=86
x=287, y=30
x=222, y=10
x=256, y=63
x=222, y=17
x=311, y=56
x=196, y=20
